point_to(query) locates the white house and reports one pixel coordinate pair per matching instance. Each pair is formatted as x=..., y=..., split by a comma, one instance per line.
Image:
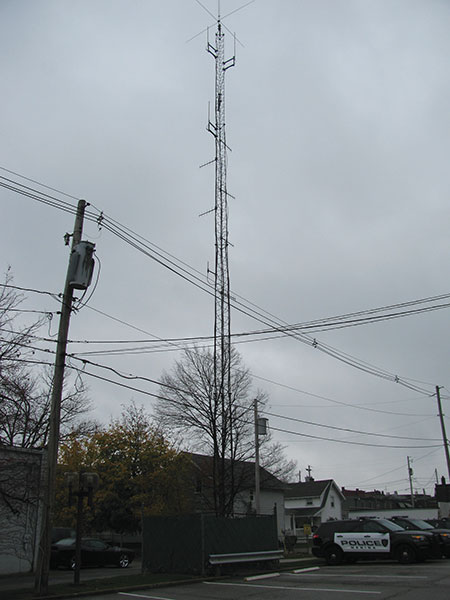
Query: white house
x=311, y=503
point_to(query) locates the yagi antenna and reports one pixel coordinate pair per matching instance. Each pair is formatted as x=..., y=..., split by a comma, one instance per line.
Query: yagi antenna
x=220, y=19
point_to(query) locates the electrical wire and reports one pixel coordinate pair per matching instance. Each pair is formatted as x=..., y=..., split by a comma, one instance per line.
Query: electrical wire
x=275, y=324
x=42, y=197
x=301, y=326
x=175, y=388
x=398, y=468
x=297, y=390
x=176, y=346
x=22, y=289
x=38, y=183
x=333, y=401
x=38, y=312
x=345, y=429
x=351, y=442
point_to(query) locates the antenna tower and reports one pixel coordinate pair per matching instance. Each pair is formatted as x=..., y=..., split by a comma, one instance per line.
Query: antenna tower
x=222, y=324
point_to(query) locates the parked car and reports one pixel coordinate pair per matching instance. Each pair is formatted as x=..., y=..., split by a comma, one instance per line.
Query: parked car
x=58, y=533
x=93, y=553
x=443, y=522
x=420, y=524
x=371, y=538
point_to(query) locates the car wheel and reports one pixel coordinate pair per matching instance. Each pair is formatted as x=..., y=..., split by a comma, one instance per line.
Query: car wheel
x=124, y=561
x=405, y=554
x=334, y=555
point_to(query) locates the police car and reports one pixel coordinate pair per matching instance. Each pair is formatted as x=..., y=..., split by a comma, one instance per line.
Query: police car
x=371, y=538
x=420, y=524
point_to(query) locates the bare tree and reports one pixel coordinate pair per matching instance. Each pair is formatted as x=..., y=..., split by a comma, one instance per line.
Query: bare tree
x=188, y=409
x=25, y=401
x=14, y=339
x=25, y=390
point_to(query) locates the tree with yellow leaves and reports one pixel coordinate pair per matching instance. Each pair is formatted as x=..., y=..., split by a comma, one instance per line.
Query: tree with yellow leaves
x=140, y=473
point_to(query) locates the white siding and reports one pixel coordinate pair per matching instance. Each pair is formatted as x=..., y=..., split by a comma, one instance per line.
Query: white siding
x=268, y=501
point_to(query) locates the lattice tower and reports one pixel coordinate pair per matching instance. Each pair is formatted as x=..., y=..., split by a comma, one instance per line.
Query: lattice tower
x=222, y=324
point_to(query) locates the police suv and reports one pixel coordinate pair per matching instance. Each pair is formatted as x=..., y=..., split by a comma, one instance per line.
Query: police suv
x=371, y=538
x=420, y=524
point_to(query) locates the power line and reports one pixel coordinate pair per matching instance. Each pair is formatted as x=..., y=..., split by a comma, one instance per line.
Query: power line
x=174, y=343
x=23, y=289
x=38, y=312
x=338, y=402
x=39, y=183
x=345, y=429
x=42, y=197
x=299, y=326
x=353, y=443
x=95, y=376
x=275, y=324
x=342, y=441
x=78, y=356
x=175, y=388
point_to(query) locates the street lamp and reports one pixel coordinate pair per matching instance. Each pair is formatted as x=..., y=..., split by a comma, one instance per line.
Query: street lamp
x=81, y=485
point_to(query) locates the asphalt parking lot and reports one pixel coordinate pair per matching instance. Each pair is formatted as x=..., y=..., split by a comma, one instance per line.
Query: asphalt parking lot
x=381, y=580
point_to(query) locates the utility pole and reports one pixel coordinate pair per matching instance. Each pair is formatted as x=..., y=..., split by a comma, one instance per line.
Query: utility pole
x=444, y=435
x=410, y=474
x=43, y=560
x=257, y=480
x=260, y=429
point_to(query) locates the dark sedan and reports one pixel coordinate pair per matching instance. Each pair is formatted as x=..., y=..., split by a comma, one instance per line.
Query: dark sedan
x=94, y=553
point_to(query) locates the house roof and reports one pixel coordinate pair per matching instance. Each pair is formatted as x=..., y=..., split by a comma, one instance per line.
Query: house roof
x=244, y=472
x=361, y=493
x=307, y=489
x=361, y=497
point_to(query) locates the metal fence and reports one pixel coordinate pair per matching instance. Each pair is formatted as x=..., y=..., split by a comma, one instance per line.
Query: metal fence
x=184, y=544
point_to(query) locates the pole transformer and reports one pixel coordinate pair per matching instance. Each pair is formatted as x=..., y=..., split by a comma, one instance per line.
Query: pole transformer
x=222, y=326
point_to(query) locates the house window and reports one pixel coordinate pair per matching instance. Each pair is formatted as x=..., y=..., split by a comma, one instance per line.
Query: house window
x=198, y=486
x=332, y=501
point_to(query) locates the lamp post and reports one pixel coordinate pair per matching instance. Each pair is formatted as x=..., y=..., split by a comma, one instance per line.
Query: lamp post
x=81, y=485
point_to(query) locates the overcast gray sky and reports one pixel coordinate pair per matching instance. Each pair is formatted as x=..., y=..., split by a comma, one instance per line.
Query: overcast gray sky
x=337, y=116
